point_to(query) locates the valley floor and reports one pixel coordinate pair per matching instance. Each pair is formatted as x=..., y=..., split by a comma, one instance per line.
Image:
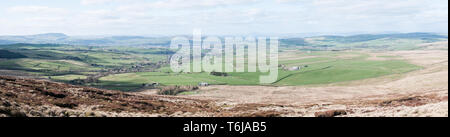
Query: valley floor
x=419, y=93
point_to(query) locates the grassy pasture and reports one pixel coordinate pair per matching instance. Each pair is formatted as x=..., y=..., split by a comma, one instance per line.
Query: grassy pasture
x=55, y=60
x=323, y=68
x=37, y=66
x=68, y=77
x=65, y=62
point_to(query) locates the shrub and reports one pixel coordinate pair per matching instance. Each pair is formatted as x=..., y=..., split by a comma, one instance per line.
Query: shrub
x=330, y=113
x=219, y=74
x=175, y=90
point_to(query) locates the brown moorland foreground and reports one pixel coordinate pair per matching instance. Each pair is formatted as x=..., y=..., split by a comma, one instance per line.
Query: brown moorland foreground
x=419, y=93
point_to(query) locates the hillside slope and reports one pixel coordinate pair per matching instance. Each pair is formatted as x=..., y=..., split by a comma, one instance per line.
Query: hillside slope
x=21, y=97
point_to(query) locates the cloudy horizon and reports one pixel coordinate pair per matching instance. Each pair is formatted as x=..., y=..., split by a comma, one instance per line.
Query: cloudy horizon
x=221, y=17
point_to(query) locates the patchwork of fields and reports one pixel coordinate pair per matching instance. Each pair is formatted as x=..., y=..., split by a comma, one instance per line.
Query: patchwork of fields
x=323, y=60
x=323, y=68
x=58, y=60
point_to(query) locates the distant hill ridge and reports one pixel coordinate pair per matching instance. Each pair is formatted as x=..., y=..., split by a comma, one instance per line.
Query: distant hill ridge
x=367, y=37
x=60, y=38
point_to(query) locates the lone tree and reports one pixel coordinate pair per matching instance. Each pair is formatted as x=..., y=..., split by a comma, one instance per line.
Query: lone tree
x=222, y=74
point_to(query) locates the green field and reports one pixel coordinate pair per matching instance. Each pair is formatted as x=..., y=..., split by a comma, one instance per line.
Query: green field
x=324, y=69
x=58, y=60
x=330, y=59
x=44, y=66
x=68, y=77
x=66, y=63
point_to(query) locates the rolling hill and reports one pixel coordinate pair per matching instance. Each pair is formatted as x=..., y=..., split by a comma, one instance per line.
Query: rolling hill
x=59, y=38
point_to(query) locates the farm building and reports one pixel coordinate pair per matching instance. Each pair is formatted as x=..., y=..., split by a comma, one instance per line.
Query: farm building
x=294, y=68
x=203, y=84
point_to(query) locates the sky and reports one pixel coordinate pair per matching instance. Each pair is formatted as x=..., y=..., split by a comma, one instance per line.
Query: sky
x=221, y=17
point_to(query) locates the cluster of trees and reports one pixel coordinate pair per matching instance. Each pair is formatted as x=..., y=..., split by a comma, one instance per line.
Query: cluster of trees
x=222, y=74
x=84, y=81
x=10, y=55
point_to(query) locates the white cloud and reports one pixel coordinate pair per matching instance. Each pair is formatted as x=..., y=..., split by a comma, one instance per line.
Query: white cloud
x=36, y=10
x=286, y=1
x=183, y=4
x=196, y=3
x=100, y=14
x=227, y=16
x=93, y=2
